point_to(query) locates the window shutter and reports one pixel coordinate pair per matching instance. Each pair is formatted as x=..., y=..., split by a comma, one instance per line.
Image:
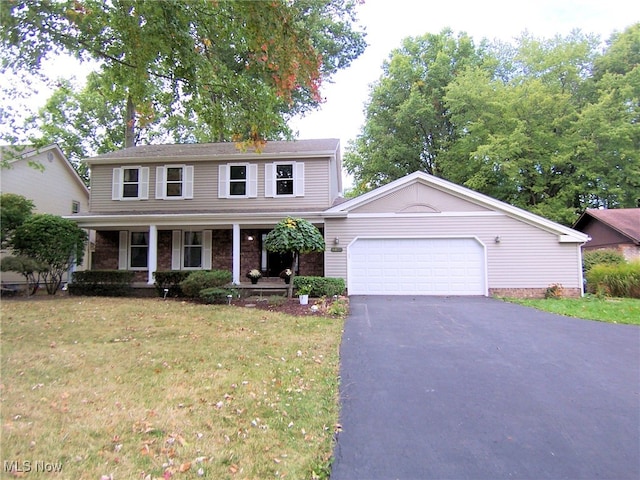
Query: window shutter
x=160, y=183
x=252, y=181
x=176, y=250
x=269, y=180
x=123, y=250
x=223, y=181
x=206, y=249
x=116, y=186
x=298, y=179
x=188, y=182
x=143, y=192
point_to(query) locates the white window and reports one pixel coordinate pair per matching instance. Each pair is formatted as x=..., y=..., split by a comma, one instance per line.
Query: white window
x=238, y=180
x=191, y=249
x=174, y=182
x=284, y=179
x=130, y=183
x=133, y=251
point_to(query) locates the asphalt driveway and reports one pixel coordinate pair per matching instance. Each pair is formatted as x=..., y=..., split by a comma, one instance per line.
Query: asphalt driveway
x=475, y=388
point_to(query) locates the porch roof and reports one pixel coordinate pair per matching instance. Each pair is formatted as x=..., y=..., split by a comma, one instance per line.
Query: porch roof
x=123, y=220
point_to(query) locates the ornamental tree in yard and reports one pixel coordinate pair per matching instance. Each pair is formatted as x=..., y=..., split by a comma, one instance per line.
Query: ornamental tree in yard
x=52, y=241
x=296, y=236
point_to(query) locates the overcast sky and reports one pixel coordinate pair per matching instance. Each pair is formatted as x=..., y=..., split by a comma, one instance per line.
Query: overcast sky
x=387, y=22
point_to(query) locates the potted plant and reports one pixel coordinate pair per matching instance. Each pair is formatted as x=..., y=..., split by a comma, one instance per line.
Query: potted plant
x=303, y=293
x=254, y=275
x=286, y=275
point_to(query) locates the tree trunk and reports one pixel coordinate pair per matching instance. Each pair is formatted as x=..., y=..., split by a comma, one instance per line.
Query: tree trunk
x=294, y=267
x=130, y=124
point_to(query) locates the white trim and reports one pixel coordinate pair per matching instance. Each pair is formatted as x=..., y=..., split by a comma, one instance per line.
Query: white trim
x=236, y=254
x=464, y=193
x=207, y=236
x=176, y=250
x=186, y=182
x=123, y=250
x=117, y=183
x=152, y=259
x=488, y=213
x=271, y=180
x=250, y=181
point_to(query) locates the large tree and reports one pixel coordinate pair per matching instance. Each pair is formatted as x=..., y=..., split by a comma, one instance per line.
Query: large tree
x=547, y=125
x=407, y=124
x=236, y=70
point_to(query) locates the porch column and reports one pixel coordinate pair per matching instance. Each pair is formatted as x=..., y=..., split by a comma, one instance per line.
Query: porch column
x=152, y=261
x=236, y=253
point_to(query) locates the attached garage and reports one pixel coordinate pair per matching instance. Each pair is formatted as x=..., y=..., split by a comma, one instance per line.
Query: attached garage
x=422, y=235
x=416, y=266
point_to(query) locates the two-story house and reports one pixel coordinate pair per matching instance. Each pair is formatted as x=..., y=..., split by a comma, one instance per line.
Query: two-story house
x=203, y=206
x=44, y=176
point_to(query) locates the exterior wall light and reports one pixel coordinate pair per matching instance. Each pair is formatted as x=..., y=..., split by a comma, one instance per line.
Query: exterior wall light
x=336, y=241
x=497, y=239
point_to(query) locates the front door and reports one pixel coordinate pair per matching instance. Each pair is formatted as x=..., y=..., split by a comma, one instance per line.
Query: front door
x=272, y=262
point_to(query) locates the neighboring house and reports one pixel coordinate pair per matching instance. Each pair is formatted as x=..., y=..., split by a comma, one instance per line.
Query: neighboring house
x=617, y=229
x=202, y=206
x=54, y=188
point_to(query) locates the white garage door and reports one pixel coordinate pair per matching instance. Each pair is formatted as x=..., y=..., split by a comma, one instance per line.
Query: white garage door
x=420, y=266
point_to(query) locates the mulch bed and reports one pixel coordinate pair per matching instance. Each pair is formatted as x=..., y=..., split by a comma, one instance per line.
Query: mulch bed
x=290, y=306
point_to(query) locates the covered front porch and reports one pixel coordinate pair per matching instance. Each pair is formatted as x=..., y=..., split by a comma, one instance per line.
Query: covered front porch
x=236, y=247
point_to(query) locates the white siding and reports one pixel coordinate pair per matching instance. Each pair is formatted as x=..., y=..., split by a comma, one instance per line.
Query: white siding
x=526, y=257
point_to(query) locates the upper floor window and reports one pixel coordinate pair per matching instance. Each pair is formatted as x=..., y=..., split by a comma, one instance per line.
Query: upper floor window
x=238, y=180
x=75, y=206
x=174, y=182
x=284, y=179
x=130, y=183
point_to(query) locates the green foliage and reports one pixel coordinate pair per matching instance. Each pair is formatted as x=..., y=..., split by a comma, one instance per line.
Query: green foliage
x=185, y=70
x=14, y=210
x=294, y=235
x=25, y=266
x=606, y=256
x=338, y=308
x=319, y=286
x=616, y=280
x=550, y=126
x=204, y=279
x=170, y=280
x=217, y=294
x=52, y=241
x=102, y=283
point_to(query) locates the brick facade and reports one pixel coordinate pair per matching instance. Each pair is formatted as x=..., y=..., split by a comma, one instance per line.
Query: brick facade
x=105, y=256
x=532, y=292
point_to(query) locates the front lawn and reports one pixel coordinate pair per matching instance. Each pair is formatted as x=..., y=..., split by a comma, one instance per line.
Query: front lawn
x=612, y=310
x=146, y=388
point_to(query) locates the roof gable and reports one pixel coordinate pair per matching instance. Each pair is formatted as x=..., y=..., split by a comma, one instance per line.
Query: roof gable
x=625, y=221
x=458, y=197
x=418, y=197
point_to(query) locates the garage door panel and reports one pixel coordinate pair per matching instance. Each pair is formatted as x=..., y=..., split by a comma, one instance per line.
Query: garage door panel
x=442, y=266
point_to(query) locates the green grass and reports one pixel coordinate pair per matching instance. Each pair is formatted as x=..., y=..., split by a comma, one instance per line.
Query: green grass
x=144, y=388
x=612, y=310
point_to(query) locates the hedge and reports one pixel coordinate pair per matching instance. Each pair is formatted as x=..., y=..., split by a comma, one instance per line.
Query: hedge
x=203, y=279
x=105, y=283
x=321, y=286
x=217, y=295
x=606, y=256
x=170, y=279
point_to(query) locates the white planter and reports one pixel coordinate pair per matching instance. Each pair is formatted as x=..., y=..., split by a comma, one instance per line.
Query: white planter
x=304, y=299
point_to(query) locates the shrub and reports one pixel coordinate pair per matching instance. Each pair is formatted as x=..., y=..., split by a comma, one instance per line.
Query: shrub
x=104, y=283
x=203, y=279
x=170, y=279
x=339, y=308
x=597, y=257
x=321, y=286
x=622, y=280
x=554, y=291
x=217, y=294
